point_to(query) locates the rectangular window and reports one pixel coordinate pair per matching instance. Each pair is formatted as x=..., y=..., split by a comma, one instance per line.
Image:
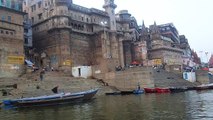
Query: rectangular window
x=3, y=18
x=32, y=20
x=17, y=7
x=2, y=32
x=39, y=16
x=34, y=6
x=9, y=18
x=39, y=4
x=8, y=3
x=2, y=3
x=25, y=30
x=31, y=8
x=25, y=40
x=13, y=4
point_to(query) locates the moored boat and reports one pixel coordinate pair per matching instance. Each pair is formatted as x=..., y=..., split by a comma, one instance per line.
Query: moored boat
x=162, y=90
x=204, y=87
x=177, y=89
x=150, y=90
x=113, y=93
x=138, y=91
x=61, y=98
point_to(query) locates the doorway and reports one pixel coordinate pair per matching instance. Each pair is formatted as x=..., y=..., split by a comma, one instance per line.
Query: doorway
x=79, y=72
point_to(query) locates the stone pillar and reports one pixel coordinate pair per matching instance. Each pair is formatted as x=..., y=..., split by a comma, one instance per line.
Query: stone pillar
x=109, y=7
x=121, y=52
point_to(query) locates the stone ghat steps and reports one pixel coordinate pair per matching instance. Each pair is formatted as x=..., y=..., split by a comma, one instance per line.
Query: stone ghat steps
x=163, y=78
x=32, y=86
x=137, y=68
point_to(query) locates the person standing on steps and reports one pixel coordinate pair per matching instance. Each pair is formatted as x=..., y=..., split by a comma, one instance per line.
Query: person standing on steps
x=42, y=75
x=139, y=87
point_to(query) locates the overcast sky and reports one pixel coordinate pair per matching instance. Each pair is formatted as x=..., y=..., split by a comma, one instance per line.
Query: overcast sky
x=193, y=18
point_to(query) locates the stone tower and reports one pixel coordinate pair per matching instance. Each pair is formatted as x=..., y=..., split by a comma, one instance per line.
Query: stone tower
x=155, y=32
x=109, y=7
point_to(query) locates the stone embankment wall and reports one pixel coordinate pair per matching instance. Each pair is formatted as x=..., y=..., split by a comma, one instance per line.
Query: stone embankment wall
x=145, y=77
x=129, y=78
x=202, y=76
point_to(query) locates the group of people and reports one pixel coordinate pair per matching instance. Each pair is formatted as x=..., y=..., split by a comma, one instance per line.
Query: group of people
x=119, y=68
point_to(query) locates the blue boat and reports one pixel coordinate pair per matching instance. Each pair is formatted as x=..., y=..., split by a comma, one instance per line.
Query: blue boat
x=138, y=91
x=60, y=98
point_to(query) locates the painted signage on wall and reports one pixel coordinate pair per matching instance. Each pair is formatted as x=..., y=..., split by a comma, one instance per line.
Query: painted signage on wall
x=67, y=63
x=157, y=62
x=15, y=59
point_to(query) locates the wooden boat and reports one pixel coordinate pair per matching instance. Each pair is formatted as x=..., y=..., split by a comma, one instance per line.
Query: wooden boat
x=138, y=91
x=125, y=92
x=204, y=87
x=150, y=90
x=177, y=89
x=191, y=88
x=61, y=98
x=162, y=90
x=113, y=93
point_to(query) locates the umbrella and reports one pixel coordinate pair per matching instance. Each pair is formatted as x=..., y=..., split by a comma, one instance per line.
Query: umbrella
x=135, y=63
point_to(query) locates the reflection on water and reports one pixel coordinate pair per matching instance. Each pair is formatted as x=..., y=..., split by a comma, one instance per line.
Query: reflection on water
x=190, y=105
x=200, y=105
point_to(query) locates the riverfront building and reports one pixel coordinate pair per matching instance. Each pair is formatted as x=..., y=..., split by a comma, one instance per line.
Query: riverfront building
x=66, y=34
x=63, y=35
x=11, y=38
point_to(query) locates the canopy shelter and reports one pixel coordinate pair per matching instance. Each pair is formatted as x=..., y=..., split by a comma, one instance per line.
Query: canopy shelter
x=135, y=63
x=29, y=63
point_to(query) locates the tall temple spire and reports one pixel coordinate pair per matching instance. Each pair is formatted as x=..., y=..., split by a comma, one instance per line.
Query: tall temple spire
x=143, y=25
x=155, y=32
x=144, y=29
x=144, y=32
x=155, y=28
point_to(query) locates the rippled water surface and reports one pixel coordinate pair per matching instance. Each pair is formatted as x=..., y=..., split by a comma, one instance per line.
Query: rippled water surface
x=191, y=105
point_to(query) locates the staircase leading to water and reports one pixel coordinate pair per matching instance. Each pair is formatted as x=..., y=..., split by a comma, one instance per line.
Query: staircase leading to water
x=164, y=78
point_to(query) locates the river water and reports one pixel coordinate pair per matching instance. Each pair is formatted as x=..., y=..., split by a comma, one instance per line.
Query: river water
x=190, y=105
